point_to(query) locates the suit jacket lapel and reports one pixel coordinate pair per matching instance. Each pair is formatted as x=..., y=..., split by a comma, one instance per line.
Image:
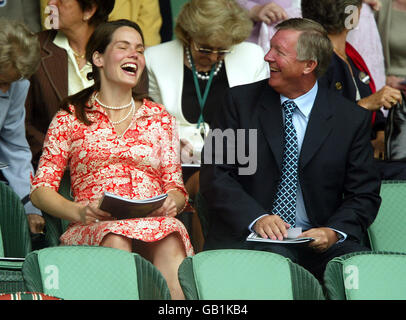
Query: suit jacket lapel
x=271, y=123
x=56, y=71
x=318, y=127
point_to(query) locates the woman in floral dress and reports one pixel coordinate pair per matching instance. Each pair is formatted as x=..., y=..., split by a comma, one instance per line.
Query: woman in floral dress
x=112, y=141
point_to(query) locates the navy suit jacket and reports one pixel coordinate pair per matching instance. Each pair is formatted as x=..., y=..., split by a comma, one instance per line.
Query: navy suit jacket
x=339, y=181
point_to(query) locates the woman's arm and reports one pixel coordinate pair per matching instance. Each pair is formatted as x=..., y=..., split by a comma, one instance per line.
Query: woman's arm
x=51, y=202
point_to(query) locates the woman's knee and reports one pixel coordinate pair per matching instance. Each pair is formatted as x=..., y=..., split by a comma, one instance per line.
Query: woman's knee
x=117, y=241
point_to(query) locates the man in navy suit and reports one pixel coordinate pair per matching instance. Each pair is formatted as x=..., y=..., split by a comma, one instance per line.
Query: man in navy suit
x=337, y=195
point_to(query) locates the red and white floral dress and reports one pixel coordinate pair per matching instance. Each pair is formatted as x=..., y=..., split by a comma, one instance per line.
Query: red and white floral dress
x=142, y=163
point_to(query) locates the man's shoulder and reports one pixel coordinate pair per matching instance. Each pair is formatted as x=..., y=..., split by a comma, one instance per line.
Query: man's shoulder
x=253, y=89
x=341, y=105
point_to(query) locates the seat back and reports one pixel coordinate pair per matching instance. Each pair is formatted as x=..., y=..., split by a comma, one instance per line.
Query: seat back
x=11, y=277
x=366, y=276
x=88, y=273
x=176, y=7
x=1, y=244
x=55, y=227
x=245, y=275
x=13, y=224
x=387, y=231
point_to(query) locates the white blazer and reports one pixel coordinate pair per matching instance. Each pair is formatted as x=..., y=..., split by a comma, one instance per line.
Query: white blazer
x=245, y=64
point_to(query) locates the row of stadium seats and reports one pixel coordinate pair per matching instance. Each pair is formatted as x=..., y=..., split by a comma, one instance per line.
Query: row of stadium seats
x=100, y=273
x=200, y=276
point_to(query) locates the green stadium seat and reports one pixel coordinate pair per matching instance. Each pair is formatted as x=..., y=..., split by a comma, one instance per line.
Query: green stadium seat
x=366, y=276
x=55, y=227
x=176, y=7
x=387, y=232
x=246, y=275
x=11, y=277
x=15, y=232
x=93, y=273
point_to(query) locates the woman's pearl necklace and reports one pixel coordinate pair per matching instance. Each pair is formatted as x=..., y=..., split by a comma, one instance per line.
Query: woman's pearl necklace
x=206, y=75
x=132, y=109
x=111, y=107
x=128, y=114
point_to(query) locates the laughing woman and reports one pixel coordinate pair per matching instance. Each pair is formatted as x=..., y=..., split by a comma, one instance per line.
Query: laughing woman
x=113, y=142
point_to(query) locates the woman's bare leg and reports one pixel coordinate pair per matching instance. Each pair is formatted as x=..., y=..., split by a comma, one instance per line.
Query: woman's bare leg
x=117, y=241
x=166, y=255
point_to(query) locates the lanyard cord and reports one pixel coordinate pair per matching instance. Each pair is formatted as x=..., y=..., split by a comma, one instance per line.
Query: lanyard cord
x=202, y=100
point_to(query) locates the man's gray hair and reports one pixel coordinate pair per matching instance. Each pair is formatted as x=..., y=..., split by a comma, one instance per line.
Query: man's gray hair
x=313, y=43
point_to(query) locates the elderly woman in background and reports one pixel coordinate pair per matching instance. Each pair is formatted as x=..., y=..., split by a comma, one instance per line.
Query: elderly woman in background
x=19, y=58
x=63, y=69
x=189, y=75
x=348, y=73
x=144, y=12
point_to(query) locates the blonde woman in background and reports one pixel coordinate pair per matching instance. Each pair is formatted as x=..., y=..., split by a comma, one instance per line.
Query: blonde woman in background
x=190, y=74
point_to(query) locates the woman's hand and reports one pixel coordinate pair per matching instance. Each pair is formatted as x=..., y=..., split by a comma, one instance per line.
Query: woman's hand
x=386, y=97
x=168, y=209
x=396, y=82
x=268, y=13
x=186, y=151
x=374, y=4
x=90, y=214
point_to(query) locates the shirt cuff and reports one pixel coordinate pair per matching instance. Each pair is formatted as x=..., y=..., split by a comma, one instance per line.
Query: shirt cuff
x=253, y=222
x=342, y=236
x=30, y=209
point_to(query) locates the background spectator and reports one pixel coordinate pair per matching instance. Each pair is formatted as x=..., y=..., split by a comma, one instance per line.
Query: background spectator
x=26, y=11
x=391, y=20
x=63, y=69
x=19, y=58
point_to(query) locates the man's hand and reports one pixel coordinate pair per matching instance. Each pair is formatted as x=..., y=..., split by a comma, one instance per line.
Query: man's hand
x=324, y=238
x=36, y=223
x=272, y=227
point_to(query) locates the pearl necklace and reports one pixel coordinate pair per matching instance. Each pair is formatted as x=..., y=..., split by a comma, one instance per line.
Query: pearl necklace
x=128, y=114
x=206, y=75
x=113, y=108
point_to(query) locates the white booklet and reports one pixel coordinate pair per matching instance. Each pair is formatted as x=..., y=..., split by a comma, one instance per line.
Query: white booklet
x=3, y=165
x=292, y=237
x=123, y=208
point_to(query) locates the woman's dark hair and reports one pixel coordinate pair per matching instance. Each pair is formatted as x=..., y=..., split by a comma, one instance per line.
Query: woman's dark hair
x=99, y=40
x=331, y=14
x=104, y=8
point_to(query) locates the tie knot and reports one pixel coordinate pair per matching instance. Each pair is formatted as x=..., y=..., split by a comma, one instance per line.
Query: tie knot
x=289, y=106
